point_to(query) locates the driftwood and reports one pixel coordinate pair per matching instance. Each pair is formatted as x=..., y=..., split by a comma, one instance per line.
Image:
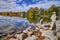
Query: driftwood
x=38, y=34
x=54, y=27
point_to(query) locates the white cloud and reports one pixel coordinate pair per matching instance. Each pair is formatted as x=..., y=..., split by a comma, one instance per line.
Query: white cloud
x=47, y=4
x=10, y=5
x=19, y=0
x=35, y=0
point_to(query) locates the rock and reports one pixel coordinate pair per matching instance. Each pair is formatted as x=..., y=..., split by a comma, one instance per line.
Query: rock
x=58, y=34
x=20, y=36
x=32, y=38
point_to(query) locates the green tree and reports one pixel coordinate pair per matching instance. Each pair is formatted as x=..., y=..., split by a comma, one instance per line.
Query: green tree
x=32, y=14
x=42, y=11
x=24, y=14
x=52, y=9
x=35, y=15
x=29, y=14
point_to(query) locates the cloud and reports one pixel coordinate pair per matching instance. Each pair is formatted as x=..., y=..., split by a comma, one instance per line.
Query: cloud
x=53, y=0
x=19, y=0
x=36, y=0
x=10, y=5
x=46, y=4
x=7, y=5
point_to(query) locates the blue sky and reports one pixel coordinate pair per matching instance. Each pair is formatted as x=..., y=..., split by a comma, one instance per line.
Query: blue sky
x=28, y=2
x=24, y=5
x=31, y=2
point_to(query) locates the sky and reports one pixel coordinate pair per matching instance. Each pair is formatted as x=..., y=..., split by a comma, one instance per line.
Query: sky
x=24, y=5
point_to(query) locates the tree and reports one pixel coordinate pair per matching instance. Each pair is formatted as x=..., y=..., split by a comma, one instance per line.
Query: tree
x=42, y=11
x=24, y=14
x=32, y=14
x=52, y=9
x=35, y=15
x=56, y=9
x=29, y=14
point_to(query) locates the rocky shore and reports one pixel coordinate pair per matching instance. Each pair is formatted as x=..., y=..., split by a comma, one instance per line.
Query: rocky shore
x=38, y=33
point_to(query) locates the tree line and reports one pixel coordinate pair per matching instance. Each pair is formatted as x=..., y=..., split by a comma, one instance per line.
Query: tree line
x=35, y=14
